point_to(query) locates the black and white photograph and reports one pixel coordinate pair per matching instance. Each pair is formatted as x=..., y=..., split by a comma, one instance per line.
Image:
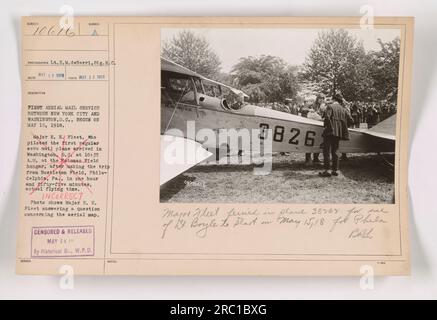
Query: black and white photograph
x=294, y=161
x=279, y=115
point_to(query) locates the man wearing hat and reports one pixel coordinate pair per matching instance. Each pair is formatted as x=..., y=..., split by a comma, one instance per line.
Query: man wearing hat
x=336, y=121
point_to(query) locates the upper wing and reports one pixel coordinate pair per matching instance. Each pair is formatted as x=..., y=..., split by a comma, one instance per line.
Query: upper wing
x=178, y=155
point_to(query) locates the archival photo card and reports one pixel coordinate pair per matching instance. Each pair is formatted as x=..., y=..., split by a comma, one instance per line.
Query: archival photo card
x=260, y=146
x=280, y=115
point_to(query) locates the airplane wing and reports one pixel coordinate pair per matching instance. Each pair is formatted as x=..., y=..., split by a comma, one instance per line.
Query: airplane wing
x=178, y=155
x=169, y=65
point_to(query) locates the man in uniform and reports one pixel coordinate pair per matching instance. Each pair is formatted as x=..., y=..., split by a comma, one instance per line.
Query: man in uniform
x=304, y=109
x=355, y=113
x=336, y=121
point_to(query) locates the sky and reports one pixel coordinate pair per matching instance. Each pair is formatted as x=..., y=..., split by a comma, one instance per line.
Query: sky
x=291, y=44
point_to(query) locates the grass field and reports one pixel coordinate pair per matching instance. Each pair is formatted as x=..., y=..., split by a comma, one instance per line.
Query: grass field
x=363, y=179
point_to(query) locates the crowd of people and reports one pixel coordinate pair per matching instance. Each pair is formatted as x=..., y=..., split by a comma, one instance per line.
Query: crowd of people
x=337, y=115
x=369, y=113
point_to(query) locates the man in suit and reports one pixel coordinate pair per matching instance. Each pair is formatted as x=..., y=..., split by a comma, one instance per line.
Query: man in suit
x=336, y=121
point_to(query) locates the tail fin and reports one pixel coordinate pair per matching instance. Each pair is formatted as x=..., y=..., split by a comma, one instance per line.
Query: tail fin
x=385, y=129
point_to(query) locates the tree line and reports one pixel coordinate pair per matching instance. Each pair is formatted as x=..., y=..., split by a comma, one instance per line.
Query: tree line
x=337, y=61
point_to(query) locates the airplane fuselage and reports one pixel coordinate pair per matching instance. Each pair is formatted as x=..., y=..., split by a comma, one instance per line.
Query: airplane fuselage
x=290, y=133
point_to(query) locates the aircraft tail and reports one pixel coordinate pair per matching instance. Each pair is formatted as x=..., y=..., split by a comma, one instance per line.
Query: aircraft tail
x=385, y=129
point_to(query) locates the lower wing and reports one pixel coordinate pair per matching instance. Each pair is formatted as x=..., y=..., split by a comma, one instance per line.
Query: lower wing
x=178, y=155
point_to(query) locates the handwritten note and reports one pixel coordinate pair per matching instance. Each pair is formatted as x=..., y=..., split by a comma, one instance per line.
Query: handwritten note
x=353, y=222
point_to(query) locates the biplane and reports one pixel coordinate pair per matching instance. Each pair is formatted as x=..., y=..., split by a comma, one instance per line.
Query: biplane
x=187, y=96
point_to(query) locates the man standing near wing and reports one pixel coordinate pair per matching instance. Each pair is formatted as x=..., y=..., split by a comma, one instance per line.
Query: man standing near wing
x=336, y=121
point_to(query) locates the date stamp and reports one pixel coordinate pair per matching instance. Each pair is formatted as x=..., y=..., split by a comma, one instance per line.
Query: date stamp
x=63, y=242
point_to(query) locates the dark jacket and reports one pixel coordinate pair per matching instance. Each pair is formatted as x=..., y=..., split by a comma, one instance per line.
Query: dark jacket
x=336, y=121
x=304, y=111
